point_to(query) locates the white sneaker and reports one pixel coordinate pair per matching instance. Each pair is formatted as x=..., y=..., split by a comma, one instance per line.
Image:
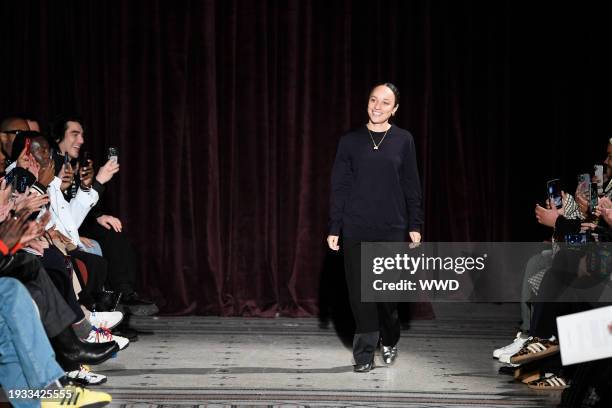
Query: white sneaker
x=85, y=377
x=107, y=320
x=104, y=336
x=513, y=347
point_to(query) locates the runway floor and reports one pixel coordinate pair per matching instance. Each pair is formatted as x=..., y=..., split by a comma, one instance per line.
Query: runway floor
x=248, y=362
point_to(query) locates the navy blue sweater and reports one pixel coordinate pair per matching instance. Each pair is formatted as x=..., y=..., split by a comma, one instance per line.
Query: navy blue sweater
x=375, y=194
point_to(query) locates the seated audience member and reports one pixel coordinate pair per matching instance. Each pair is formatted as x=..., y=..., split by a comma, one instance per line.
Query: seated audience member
x=71, y=351
x=57, y=317
x=107, y=230
x=537, y=360
x=66, y=218
x=9, y=128
x=27, y=361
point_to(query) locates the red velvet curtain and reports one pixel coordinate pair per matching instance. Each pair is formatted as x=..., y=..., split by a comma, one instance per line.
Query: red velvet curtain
x=227, y=116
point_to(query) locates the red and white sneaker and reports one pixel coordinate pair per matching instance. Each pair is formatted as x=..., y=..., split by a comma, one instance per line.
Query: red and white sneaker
x=105, y=319
x=103, y=335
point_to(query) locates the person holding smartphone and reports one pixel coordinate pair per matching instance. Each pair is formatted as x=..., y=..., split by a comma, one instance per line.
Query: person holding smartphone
x=68, y=132
x=375, y=196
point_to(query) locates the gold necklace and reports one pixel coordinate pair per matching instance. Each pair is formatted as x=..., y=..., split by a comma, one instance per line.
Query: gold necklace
x=381, y=140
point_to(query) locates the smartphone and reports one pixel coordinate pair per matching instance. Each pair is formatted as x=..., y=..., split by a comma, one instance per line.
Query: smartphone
x=84, y=159
x=20, y=183
x=28, y=143
x=584, y=186
x=594, y=197
x=8, y=178
x=113, y=154
x=598, y=173
x=66, y=161
x=553, y=188
x=576, y=239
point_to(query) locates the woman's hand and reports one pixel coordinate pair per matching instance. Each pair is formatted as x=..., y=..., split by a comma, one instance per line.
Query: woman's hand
x=332, y=242
x=415, y=236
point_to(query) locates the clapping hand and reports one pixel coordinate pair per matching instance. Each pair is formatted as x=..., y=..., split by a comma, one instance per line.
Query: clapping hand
x=13, y=228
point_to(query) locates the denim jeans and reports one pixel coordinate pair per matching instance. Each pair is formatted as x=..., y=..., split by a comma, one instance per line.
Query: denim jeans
x=27, y=361
x=96, y=249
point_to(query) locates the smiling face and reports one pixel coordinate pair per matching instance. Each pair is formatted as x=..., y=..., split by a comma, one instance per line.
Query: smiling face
x=381, y=105
x=73, y=139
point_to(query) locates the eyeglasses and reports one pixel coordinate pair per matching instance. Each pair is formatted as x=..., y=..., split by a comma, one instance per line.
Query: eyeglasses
x=14, y=131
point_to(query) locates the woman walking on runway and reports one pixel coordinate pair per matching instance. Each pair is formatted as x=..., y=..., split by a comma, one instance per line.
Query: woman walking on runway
x=375, y=196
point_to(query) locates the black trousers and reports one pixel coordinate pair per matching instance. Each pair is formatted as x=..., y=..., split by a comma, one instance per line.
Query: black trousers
x=120, y=254
x=54, y=263
x=97, y=268
x=55, y=314
x=558, y=284
x=373, y=321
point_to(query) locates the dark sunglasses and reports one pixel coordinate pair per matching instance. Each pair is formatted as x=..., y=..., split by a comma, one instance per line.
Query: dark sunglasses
x=15, y=132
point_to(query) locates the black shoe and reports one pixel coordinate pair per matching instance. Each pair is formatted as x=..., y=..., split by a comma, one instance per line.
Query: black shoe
x=133, y=299
x=138, y=306
x=70, y=350
x=363, y=368
x=105, y=301
x=124, y=331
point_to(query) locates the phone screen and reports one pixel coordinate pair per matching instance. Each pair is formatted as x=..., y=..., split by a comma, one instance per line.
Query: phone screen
x=594, y=197
x=113, y=154
x=554, y=193
x=84, y=159
x=584, y=186
x=598, y=172
x=20, y=184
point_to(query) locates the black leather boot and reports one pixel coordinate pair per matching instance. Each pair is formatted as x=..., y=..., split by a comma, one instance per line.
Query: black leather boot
x=69, y=349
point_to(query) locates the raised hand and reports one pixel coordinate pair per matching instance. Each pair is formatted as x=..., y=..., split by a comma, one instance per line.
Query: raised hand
x=86, y=173
x=107, y=171
x=546, y=216
x=66, y=174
